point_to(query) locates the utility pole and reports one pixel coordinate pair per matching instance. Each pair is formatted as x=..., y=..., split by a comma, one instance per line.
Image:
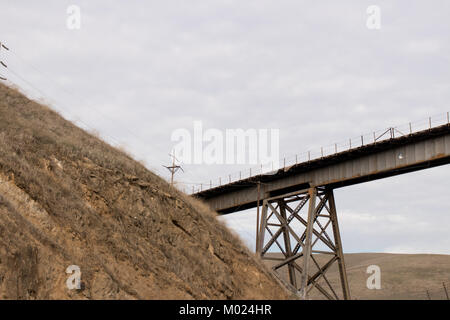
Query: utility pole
x=445, y=289
x=173, y=168
x=1, y=62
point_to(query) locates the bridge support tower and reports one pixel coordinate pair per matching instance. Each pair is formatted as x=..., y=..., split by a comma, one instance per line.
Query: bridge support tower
x=303, y=225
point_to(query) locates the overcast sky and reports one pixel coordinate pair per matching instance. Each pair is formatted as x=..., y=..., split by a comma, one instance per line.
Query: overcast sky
x=136, y=71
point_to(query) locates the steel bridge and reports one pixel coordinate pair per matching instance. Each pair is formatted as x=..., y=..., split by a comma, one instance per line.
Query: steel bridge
x=298, y=207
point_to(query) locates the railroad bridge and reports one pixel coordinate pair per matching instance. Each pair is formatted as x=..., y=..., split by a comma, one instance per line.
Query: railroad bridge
x=298, y=211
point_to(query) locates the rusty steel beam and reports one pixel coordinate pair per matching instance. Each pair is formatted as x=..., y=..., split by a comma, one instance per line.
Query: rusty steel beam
x=379, y=160
x=303, y=270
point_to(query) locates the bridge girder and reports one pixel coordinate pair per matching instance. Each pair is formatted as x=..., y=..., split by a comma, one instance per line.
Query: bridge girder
x=303, y=225
x=414, y=152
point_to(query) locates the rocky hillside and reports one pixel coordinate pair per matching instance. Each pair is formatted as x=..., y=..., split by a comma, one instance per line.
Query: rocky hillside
x=67, y=198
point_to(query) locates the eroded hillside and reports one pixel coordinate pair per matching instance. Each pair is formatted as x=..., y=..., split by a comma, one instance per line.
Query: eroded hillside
x=67, y=198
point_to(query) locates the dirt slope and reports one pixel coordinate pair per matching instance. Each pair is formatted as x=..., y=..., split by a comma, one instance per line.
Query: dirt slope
x=67, y=198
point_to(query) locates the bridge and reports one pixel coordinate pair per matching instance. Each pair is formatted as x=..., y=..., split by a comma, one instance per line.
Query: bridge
x=299, y=214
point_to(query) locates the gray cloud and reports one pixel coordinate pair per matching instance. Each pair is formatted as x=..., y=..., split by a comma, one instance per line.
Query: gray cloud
x=137, y=71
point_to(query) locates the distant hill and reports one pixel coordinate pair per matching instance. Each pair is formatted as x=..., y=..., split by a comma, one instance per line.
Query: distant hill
x=68, y=198
x=403, y=276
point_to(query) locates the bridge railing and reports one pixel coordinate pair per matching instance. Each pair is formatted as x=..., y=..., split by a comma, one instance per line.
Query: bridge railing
x=322, y=152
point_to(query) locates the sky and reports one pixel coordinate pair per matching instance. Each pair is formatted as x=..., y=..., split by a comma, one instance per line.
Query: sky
x=134, y=72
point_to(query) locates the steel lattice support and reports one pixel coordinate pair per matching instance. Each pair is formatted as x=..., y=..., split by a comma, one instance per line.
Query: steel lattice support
x=304, y=227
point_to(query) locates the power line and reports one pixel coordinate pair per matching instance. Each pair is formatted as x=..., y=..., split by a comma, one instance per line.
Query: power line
x=70, y=93
x=172, y=169
x=91, y=106
x=45, y=95
x=49, y=78
x=61, y=106
x=56, y=102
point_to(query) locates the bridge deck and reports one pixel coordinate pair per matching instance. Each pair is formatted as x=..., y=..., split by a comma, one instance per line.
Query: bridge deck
x=416, y=151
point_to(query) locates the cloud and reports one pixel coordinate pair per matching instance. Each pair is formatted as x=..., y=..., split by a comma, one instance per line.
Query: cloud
x=137, y=71
x=428, y=46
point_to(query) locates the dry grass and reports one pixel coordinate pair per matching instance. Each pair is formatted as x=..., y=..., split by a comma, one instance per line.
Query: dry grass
x=403, y=276
x=66, y=197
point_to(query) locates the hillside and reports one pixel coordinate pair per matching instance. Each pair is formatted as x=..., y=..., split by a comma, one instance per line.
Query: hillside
x=403, y=276
x=68, y=198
